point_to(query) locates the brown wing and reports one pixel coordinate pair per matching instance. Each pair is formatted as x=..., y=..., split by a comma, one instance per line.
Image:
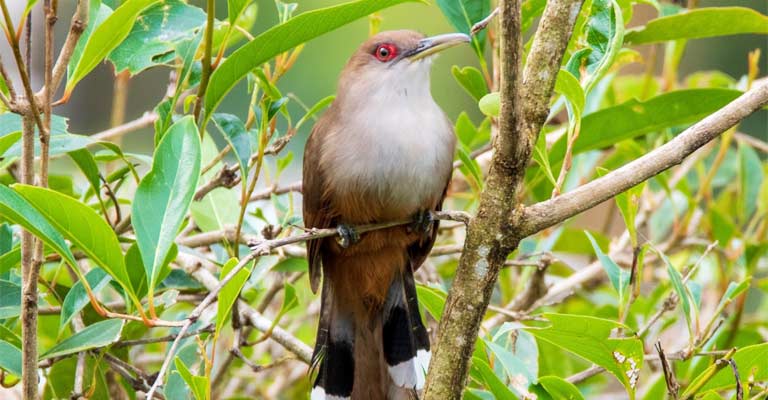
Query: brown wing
x=316, y=213
x=419, y=251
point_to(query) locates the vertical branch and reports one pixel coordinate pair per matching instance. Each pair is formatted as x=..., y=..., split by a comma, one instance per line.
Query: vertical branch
x=29, y=286
x=210, y=10
x=484, y=249
x=493, y=234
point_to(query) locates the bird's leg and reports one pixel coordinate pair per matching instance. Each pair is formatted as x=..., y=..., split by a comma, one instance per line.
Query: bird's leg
x=422, y=222
x=347, y=235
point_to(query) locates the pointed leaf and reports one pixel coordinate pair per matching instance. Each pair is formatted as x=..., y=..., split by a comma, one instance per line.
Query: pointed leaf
x=93, y=336
x=81, y=226
x=77, y=298
x=10, y=358
x=238, y=138
x=229, y=293
x=471, y=79
x=163, y=196
x=701, y=23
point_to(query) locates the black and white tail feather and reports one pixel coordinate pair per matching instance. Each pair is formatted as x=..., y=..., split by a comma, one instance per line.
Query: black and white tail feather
x=405, y=344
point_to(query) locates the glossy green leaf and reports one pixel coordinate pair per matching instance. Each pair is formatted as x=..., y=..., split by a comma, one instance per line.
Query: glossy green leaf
x=10, y=299
x=153, y=41
x=9, y=140
x=6, y=238
x=163, y=196
x=97, y=13
x=590, y=338
x=489, y=104
x=492, y=382
x=281, y=38
x=235, y=8
x=87, y=164
x=432, y=299
x=462, y=14
x=83, y=227
x=751, y=364
x=16, y=209
x=77, y=297
x=229, y=293
x=322, y=103
x=470, y=168
x=198, y=384
x=634, y=118
x=219, y=208
x=238, y=138
x=59, y=144
x=97, y=335
x=559, y=388
x=541, y=156
x=10, y=260
x=10, y=358
x=700, y=23
x=513, y=367
x=471, y=79
x=106, y=37
x=10, y=122
x=734, y=289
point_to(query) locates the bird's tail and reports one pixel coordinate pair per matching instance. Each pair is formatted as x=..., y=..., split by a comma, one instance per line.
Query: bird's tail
x=388, y=351
x=333, y=359
x=405, y=338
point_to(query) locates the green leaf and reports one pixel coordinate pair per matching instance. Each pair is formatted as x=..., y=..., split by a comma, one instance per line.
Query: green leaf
x=750, y=178
x=16, y=209
x=682, y=291
x=238, y=138
x=512, y=365
x=219, y=208
x=559, y=388
x=471, y=79
x=10, y=358
x=700, y=23
x=281, y=38
x=541, y=156
x=59, y=144
x=93, y=336
x=531, y=9
x=489, y=104
x=10, y=299
x=590, y=338
x=97, y=13
x=619, y=278
x=153, y=40
x=229, y=293
x=462, y=14
x=106, y=37
x=432, y=299
x=8, y=140
x=10, y=122
x=83, y=227
x=569, y=86
x=722, y=227
x=198, y=384
x=235, y=8
x=634, y=118
x=291, y=264
x=324, y=102
x=751, y=364
x=628, y=203
x=163, y=196
x=604, y=33
x=10, y=260
x=77, y=297
x=492, y=382
x=87, y=164
x=470, y=168
x=734, y=289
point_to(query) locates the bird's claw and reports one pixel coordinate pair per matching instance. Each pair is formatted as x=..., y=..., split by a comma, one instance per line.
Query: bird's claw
x=347, y=235
x=422, y=222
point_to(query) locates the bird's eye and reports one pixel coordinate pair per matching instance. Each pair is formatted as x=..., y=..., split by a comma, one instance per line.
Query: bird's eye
x=385, y=52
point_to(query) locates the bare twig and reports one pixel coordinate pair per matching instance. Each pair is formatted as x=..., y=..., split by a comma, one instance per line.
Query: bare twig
x=147, y=119
x=669, y=375
x=482, y=24
x=548, y=213
x=76, y=28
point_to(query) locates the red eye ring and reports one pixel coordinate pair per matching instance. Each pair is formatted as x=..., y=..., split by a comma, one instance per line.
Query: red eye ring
x=385, y=52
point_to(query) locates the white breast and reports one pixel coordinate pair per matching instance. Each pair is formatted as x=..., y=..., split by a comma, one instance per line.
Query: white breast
x=395, y=141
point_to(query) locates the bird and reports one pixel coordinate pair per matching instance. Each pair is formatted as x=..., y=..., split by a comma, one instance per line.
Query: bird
x=382, y=152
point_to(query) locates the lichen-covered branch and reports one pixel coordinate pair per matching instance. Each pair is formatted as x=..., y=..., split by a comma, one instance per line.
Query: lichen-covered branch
x=491, y=235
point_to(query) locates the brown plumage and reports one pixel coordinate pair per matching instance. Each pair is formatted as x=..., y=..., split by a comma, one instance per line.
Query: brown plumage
x=382, y=152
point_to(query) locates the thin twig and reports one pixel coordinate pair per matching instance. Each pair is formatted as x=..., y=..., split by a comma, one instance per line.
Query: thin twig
x=76, y=28
x=484, y=22
x=669, y=375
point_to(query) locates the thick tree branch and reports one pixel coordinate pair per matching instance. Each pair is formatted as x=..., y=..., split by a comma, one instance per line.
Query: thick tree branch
x=548, y=213
x=491, y=236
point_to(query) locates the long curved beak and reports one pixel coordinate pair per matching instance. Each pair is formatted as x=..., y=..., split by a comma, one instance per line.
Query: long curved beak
x=432, y=45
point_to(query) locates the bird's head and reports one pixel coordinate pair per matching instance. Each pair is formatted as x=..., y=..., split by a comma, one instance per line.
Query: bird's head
x=394, y=61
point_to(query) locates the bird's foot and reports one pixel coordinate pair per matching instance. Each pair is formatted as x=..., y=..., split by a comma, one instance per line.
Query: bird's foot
x=422, y=222
x=347, y=235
